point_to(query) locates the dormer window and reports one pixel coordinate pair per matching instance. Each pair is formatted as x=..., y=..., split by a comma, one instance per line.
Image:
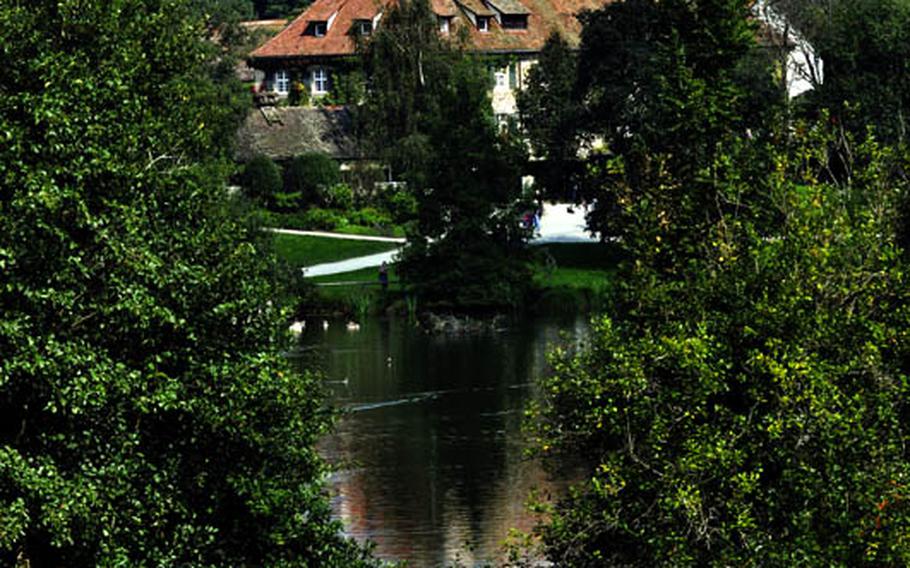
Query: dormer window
x=317, y=29
x=444, y=24
x=515, y=21
x=483, y=23
x=363, y=27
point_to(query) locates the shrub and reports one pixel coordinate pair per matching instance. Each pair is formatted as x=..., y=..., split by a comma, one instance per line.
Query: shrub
x=300, y=95
x=309, y=174
x=323, y=219
x=401, y=204
x=338, y=196
x=370, y=217
x=287, y=201
x=261, y=179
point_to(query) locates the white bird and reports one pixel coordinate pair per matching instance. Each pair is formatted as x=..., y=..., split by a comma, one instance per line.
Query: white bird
x=353, y=326
x=297, y=327
x=325, y=324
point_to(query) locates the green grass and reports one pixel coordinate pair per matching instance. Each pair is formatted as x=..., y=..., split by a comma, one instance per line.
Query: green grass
x=370, y=231
x=589, y=266
x=299, y=250
x=573, y=277
x=570, y=276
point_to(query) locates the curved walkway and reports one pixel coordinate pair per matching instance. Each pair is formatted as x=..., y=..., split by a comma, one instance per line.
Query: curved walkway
x=350, y=264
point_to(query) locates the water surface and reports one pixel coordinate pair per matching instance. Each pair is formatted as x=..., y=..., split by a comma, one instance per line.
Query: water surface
x=430, y=461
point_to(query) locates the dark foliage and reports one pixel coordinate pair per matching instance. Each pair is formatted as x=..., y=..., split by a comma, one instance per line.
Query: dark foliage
x=146, y=417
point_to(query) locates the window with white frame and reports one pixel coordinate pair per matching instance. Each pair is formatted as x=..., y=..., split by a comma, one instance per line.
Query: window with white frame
x=483, y=23
x=281, y=82
x=320, y=81
x=319, y=29
x=444, y=24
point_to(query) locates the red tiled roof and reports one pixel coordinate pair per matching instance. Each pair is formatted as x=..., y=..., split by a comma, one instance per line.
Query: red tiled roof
x=509, y=6
x=544, y=17
x=446, y=8
x=476, y=6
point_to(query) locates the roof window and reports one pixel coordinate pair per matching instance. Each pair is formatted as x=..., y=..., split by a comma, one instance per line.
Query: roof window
x=363, y=27
x=515, y=21
x=483, y=23
x=317, y=28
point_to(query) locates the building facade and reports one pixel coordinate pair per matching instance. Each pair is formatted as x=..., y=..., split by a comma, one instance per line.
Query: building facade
x=316, y=51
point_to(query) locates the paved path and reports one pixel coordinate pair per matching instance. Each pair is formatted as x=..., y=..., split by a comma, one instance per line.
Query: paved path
x=560, y=223
x=350, y=264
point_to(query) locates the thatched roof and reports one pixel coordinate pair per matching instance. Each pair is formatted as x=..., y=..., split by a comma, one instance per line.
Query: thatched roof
x=284, y=132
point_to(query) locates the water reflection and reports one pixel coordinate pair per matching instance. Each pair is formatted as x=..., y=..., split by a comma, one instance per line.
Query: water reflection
x=430, y=456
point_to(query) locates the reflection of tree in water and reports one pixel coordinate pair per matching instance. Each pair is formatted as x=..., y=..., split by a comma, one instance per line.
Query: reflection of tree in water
x=436, y=445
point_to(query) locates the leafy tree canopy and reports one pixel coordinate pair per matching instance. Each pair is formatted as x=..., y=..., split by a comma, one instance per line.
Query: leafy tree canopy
x=865, y=47
x=550, y=113
x=278, y=8
x=743, y=400
x=145, y=416
x=428, y=115
x=669, y=83
x=748, y=407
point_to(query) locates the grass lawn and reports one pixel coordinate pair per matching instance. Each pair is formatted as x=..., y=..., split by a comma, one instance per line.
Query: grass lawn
x=569, y=276
x=590, y=266
x=300, y=250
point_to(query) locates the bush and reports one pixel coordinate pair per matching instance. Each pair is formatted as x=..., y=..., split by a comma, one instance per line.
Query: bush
x=370, y=217
x=287, y=201
x=261, y=179
x=300, y=95
x=323, y=219
x=401, y=204
x=338, y=196
x=310, y=174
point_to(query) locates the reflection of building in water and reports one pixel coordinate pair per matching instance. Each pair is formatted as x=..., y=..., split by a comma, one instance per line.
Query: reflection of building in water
x=457, y=534
x=433, y=465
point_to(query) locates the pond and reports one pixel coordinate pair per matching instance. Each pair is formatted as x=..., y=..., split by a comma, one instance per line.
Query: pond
x=430, y=461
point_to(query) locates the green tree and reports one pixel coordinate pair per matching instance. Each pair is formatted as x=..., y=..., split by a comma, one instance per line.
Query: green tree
x=664, y=84
x=278, y=8
x=146, y=417
x=466, y=249
x=864, y=46
x=748, y=406
x=550, y=112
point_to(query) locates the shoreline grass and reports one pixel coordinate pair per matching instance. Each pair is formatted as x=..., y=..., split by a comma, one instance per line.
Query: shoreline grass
x=567, y=277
